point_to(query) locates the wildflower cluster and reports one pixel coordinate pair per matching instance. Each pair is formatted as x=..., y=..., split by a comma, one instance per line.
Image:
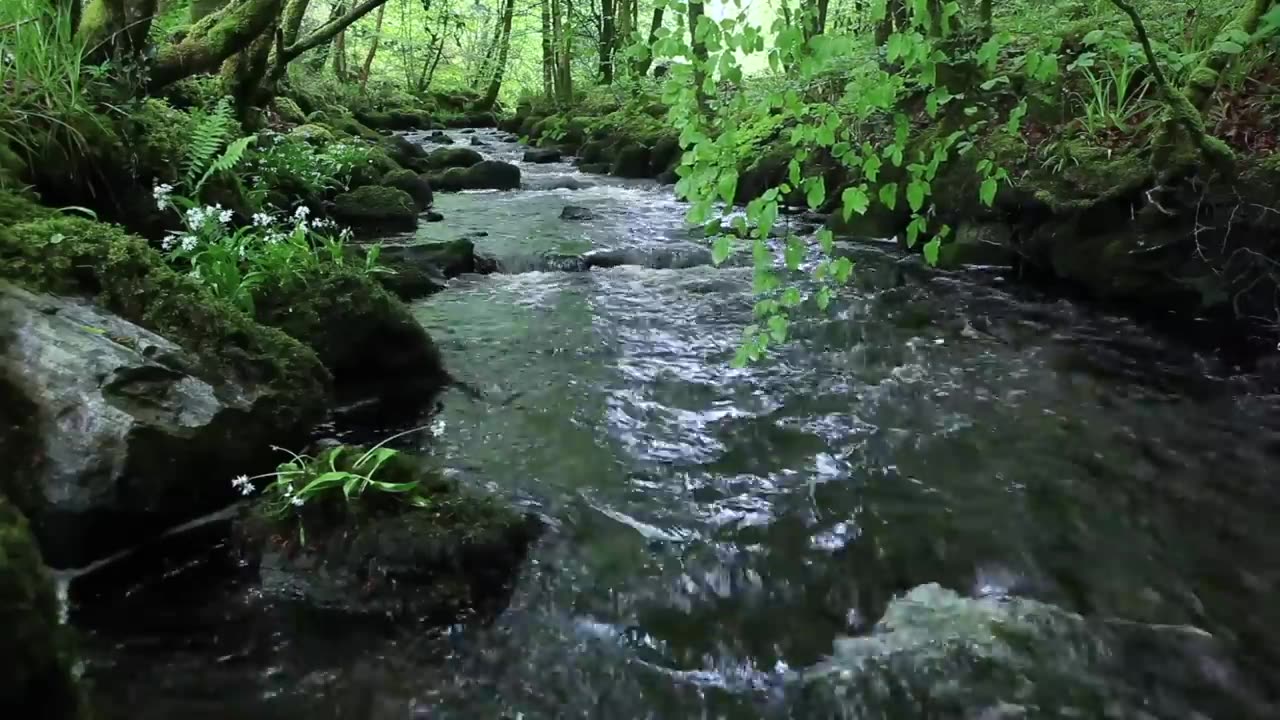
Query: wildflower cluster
x=292, y=165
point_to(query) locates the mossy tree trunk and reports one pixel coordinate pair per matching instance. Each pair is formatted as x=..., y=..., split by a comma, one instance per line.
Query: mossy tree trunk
x=642, y=66
x=548, y=52
x=108, y=26
x=373, y=49
x=213, y=40
x=608, y=28
x=699, y=46
x=495, y=85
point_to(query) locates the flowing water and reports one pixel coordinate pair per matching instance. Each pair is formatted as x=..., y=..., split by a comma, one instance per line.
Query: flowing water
x=713, y=529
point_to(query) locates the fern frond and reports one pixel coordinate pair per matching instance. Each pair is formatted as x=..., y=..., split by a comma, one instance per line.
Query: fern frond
x=227, y=161
x=211, y=132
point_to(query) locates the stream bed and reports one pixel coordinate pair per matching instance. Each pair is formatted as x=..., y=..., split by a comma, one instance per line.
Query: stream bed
x=713, y=531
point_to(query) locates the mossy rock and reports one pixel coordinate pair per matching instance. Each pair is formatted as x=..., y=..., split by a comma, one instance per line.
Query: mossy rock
x=432, y=553
x=377, y=208
x=12, y=170
x=597, y=151
x=366, y=338
x=665, y=156
x=159, y=135
x=319, y=117
x=289, y=111
x=453, y=157
x=485, y=175
x=353, y=127
x=417, y=186
x=632, y=162
x=66, y=255
x=313, y=133
x=40, y=680
x=404, y=152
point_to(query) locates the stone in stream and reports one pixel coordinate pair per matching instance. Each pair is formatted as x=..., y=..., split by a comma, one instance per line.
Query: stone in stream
x=542, y=156
x=433, y=217
x=439, y=138
x=596, y=168
x=40, y=681
x=404, y=153
x=485, y=175
x=120, y=431
x=936, y=653
x=477, y=142
x=445, y=158
x=375, y=208
x=576, y=212
x=469, y=131
x=434, y=553
x=632, y=162
x=417, y=186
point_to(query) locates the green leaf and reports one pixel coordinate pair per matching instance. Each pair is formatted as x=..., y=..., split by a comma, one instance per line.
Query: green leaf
x=823, y=298
x=827, y=240
x=778, y=328
x=1228, y=47
x=917, y=226
x=817, y=193
x=791, y=297
x=889, y=195
x=728, y=186
x=794, y=253
x=1094, y=37
x=854, y=200
x=917, y=190
x=871, y=167
x=931, y=251
x=721, y=249
x=988, y=191
x=844, y=268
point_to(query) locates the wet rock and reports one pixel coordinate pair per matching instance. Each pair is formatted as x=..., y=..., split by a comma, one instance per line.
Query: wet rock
x=375, y=208
x=542, y=156
x=40, y=680
x=453, y=157
x=405, y=153
x=665, y=156
x=935, y=652
x=485, y=175
x=600, y=168
x=979, y=244
x=477, y=142
x=124, y=433
x=576, y=212
x=468, y=131
x=417, y=186
x=596, y=151
x=431, y=553
x=632, y=162
x=439, y=138
x=288, y=110
x=448, y=258
x=433, y=217
x=555, y=182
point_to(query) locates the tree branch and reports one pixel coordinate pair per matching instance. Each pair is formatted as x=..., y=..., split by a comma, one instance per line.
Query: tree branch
x=326, y=32
x=214, y=39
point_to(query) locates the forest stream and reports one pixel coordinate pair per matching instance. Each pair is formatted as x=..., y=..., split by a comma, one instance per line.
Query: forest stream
x=713, y=532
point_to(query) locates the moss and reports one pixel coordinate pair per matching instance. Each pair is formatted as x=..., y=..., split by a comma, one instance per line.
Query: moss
x=159, y=135
x=289, y=111
x=38, y=680
x=450, y=157
x=318, y=117
x=377, y=207
x=67, y=255
x=353, y=127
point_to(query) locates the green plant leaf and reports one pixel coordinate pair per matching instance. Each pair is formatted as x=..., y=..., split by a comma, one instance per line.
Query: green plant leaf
x=930, y=250
x=721, y=249
x=917, y=190
x=988, y=191
x=817, y=192
x=854, y=200
x=889, y=195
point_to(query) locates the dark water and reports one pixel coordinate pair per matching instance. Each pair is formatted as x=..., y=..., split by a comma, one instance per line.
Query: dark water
x=714, y=528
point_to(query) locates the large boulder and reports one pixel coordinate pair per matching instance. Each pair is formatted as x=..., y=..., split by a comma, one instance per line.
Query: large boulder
x=541, y=156
x=485, y=175
x=665, y=156
x=935, y=653
x=597, y=151
x=979, y=243
x=576, y=212
x=452, y=157
x=632, y=161
x=405, y=153
x=429, y=551
x=367, y=339
x=118, y=433
x=40, y=680
x=439, y=138
x=288, y=111
x=417, y=186
x=376, y=208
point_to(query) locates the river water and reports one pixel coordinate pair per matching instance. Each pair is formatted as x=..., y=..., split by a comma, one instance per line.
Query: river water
x=712, y=530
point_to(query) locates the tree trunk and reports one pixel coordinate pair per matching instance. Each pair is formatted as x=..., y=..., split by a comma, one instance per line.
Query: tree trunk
x=984, y=18
x=560, y=11
x=373, y=49
x=495, y=85
x=607, y=28
x=642, y=66
x=212, y=40
x=200, y=9
x=243, y=73
x=548, y=52
x=111, y=25
x=340, y=56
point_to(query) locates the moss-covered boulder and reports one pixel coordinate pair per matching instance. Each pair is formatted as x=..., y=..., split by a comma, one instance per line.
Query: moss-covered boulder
x=485, y=175
x=313, y=133
x=596, y=151
x=542, y=156
x=353, y=127
x=288, y=111
x=417, y=186
x=429, y=552
x=376, y=208
x=459, y=157
x=319, y=117
x=665, y=156
x=366, y=338
x=438, y=138
x=38, y=681
x=405, y=153
x=632, y=161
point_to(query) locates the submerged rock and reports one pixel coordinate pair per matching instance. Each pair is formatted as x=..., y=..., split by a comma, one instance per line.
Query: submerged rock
x=445, y=158
x=377, y=208
x=477, y=142
x=935, y=653
x=121, y=434
x=429, y=551
x=39, y=680
x=576, y=212
x=542, y=156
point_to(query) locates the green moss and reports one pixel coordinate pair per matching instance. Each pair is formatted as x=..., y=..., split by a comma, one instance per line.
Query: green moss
x=159, y=135
x=355, y=128
x=315, y=134
x=38, y=675
x=378, y=207
x=68, y=255
x=318, y=117
x=289, y=111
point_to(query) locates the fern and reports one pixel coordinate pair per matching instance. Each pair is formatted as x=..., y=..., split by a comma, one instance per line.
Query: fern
x=226, y=161
x=212, y=131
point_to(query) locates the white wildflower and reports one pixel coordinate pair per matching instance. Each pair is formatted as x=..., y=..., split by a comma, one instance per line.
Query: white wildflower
x=261, y=219
x=169, y=241
x=161, y=193
x=188, y=243
x=243, y=485
x=274, y=238
x=195, y=218
x=225, y=216
x=297, y=501
x=302, y=212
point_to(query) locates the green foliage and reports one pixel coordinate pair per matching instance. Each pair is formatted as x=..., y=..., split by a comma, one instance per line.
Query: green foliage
x=212, y=148
x=294, y=167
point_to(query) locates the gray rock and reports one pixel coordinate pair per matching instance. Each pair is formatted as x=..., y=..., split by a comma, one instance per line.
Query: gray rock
x=542, y=156
x=453, y=157
x=576, y=212
x=486, y=175
x=127, y=437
